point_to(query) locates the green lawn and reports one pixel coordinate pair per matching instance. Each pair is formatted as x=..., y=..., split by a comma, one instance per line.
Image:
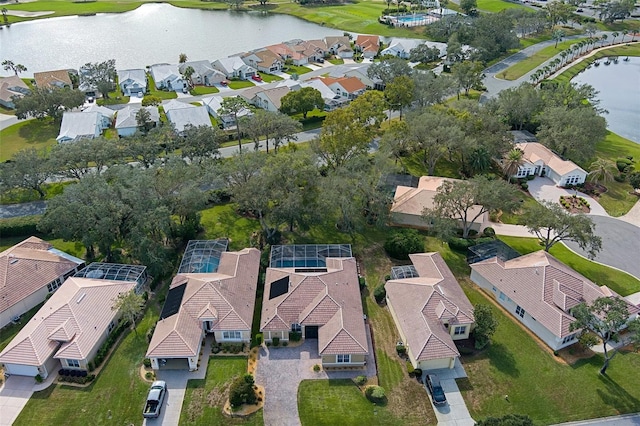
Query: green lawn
x=117, y=390
x=204, y=399
x=21, y=195
x=538, y=384
x=516, y=71
x=498, y=5
x=204, y=90
x=162, y=94
x=620, y=282
x=336, y=61
x=339, y=402
x=38, y=134
x=297, y=69
x=240, y=84
x=516, y=218
x=268, y=78
x=222, y=221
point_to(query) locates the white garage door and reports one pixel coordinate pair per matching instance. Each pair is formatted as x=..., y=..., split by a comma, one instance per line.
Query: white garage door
x=435, y=364
x=22, y=370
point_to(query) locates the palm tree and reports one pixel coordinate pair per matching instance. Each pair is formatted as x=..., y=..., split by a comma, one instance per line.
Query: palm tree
x=4, y=15
x=188, y=72
x=182, y=58
x=614, y=34
x=8, y=64
x=624, y=33
x=564, y=55
x=512, y=162
x=603, y=39
x=557, y=35
x=601, y=169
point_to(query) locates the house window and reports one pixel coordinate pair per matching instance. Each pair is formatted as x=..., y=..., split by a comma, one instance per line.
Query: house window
x=459, y=330
x=520, y=312
x=494, y=289
x=502, y=296
x=343, y=358
x=295, y=327
x=568, y=338
x=112, y=325
x=232, y=335
x=73, y=363
x=53, y=286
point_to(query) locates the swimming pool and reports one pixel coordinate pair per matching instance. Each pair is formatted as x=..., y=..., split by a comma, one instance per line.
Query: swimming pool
x=415, y=20
x=412, y=18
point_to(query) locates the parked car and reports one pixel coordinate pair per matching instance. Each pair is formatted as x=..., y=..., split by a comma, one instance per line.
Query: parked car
x=434, y=387
x=320, y=61
x=155, y=398
x=580, y=10
x=256, y=77
x=224, y=83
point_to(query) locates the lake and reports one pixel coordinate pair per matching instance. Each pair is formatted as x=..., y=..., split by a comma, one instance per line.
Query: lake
x=619, y=87
x=150, y=34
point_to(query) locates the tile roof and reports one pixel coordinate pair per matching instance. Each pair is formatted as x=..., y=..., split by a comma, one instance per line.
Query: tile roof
x=330, y=300
x=27, y=267
x=534, y=151
x=12, y=86
x=127, y=116
x=79, y=124
x=55, y=78
x=350, y=84
x=227, y=297
x=368, y=42
x=544, y=287
x=266, y=58
x=181, y=115
x=77, y=314
x=161, y=72
x=423, y=304
x=136, y=75
x=413, y=201
x=275, y=95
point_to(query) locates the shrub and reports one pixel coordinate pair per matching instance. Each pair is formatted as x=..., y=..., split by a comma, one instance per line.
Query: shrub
x=464, y=350
x=387, y=278
x=38, y=378
x=19, y=226
x=258, y=339
x=380, y=293
x=410, y=369
x=404, y=242
x=226, y=347
x=248, y=378
x=489, y=232
x=524, y=186
x=316, y=368
x=401, y=349
x=147, y=362
x=151, y=100
x=241, y=392
x=620, y=178
x=417, y=373
x=295, y=336
x=375, y=393
x=276, y=341
x=531, y=177
x=285, y=343
x=622, y=164
x=148, y=375
x=360, y=380
x=460, y=244
x=362, y=282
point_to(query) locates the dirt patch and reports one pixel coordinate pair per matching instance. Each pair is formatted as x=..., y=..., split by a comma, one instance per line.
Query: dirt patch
x=195, y=408
x=574, y=353
x=575, y=204
x=218, y=395
x=143, y=374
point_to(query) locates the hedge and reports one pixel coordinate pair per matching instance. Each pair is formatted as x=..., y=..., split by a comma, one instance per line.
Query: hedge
x=20, y=226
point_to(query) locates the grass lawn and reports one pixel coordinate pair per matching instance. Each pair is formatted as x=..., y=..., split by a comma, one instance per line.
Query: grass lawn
x=516, y=71
x=118, y=389
x=38, y=134
x=204, y=90
x=162, y=94
x=498, y=5
x=339, y=402
x=516, y=218
x=268, y=78
x=204, y=399
x=240, y=84
x=297, y=69
x=222, y=221
x=20, y=195
x=620, y=282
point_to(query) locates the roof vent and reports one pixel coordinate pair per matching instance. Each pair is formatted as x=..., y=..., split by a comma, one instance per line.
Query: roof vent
x=82, y=296
x=13, y=261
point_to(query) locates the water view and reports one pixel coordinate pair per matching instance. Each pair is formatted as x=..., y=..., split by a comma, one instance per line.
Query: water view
x=152, y=33
x=619, y=87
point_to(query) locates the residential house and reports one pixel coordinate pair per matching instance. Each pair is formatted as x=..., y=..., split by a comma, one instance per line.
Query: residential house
x=168, y=77
x=540, y=291
x=29, y=272
x=359, y=72
x=368, y=45
x=214, y=104
x=132, y=82
x=345, y=87
x=331, y=100
x=312, y=50
x=127, y=121
x=264, y=60
x=339, y=46
x=181, y=114
x=204, y=74
x=430, y=310
x=212, y=294
x=234, y=67
x=73, y=323
x=541, y=161
x=285, y=52
x=401, y=47
x=57, y=79
x=409, y=203
x=10, y=88
x=313, y=290
x=106, y=114
x=76, y=125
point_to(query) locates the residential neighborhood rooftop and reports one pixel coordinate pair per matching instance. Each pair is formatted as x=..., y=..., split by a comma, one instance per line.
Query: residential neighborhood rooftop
x=534, y=151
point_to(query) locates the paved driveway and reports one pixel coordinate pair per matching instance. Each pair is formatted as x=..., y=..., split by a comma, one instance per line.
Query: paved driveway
x=542, y=188
x=455, y=413
x=14, y=395
x=280, y=371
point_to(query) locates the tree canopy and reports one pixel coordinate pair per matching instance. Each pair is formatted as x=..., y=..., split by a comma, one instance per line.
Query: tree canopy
x=45, y=102
x=301, y=101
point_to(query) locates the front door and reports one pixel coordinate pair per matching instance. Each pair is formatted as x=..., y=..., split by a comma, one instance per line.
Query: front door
x=311, y=332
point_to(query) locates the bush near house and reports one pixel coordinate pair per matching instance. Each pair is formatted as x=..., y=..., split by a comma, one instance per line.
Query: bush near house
x=402, y=243
x=375, y=394
x=242, y=392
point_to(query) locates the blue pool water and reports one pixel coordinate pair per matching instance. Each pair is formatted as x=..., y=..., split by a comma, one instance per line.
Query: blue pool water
x=210, y=265
x=412, y=18
x=300, y=263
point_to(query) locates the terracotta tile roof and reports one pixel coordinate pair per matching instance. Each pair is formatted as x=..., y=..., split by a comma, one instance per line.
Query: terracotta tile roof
x=12, y=86
x=423, y=304
x=55, y=78
x=328, y=299
x=228, y=296
x=275, y=95
x=266, y=57
x=413, y=201
x=544, y=287
x=78, y=313
x=350, y=84
x=340, y=40
x=534, y=151
x=368, y=42
x=27, y=267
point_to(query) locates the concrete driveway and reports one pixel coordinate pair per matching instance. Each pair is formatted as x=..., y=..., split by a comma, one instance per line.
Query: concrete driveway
x=15, y=393
x=455, y=413
x=280, y=371
x=544, y=189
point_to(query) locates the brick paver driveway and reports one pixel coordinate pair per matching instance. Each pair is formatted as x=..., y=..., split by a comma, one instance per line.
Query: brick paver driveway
x=280, y=371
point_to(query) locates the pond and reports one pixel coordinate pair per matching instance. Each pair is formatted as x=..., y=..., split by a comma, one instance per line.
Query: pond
x=150, y=34
x=619, y=87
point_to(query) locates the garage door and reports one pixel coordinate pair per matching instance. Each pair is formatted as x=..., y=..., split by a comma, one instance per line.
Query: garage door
x=435, y=364
x=22, y=370
x=311, y=332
